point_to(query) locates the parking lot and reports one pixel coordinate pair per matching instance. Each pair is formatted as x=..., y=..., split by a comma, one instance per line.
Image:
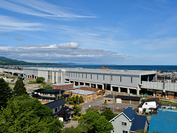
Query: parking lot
x=99, y=103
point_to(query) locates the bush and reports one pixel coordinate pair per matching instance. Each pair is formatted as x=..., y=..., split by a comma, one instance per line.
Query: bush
x=40, y=80
x=47, y=88
x=75, y=117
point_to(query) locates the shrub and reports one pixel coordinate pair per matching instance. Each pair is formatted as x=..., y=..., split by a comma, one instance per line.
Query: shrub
x=40, y=80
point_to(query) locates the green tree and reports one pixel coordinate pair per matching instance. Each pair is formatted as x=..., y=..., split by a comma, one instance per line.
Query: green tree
x=5, y=93
x=74, y=99
x=71, y=130
x=81, y=99
x=40, y=79
x=77, y=99
x=26, y=114
x=144, y=110
x=77, y=109
x=90, y=109
x=108, y=114
x=92, y=122
x=47, y=88
x=19, y=88
x=141, y=131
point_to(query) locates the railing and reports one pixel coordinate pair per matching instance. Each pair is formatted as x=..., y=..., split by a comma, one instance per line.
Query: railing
x=11, y=70
x=159, y=86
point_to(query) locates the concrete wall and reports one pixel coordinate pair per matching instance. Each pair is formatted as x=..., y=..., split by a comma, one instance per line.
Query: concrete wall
x=105, y=78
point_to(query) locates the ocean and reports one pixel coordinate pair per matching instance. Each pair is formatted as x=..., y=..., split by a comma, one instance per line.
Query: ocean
x=120, y=67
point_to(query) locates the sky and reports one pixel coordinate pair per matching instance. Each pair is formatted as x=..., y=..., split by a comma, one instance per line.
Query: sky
x=120, y=32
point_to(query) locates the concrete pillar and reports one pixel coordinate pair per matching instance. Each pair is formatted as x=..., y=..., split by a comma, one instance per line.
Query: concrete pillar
x=118, y=89
x=84, y=83
x=111, y=88
x=166, y=94
x=154, y=93
x=128, y=90
x=74, y=83
x=79, y=83
x=137, y=92
x=102, y=86
x=96, y=85
x=90, y=85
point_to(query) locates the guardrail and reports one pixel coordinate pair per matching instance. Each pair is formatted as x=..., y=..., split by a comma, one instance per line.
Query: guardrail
x=160, y=86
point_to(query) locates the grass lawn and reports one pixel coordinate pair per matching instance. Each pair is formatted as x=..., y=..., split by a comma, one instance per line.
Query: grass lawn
x=32, y=82
x=11, y=83
x=167, y=103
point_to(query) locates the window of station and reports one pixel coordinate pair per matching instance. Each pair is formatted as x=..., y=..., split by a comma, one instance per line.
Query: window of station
x=97, y=76
x=103, y=77
x=120, y=78
x=82, y=75
x=76, y=75
x=131, y=79
x=91, y=76
x=85, y=75
x=111, y=77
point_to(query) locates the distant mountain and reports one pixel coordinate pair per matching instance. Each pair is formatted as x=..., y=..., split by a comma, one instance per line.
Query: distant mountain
x=7, y=61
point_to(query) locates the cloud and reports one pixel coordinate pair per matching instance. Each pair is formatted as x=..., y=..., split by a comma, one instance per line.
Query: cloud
x=13, y=24
x=32, y=45
x=69, y=45
x=52, y=53
x=18, y=38
x=39, y=8
x=5, y=34
x=3, y=44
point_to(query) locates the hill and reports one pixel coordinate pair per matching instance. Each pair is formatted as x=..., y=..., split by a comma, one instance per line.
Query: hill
x=7, y=61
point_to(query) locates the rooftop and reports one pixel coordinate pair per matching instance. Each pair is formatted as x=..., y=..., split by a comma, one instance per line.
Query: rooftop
x=82, y=92
x=63, y=84
x=56, y=103
x=124, y=97
x=49, y=91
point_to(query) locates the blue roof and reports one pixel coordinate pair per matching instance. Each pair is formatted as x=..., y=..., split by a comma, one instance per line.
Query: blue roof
x=55, y=103
x=138, y=123
x=164, y=121
x=130, y=113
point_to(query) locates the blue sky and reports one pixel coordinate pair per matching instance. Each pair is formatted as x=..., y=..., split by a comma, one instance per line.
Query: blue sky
x=122, y=32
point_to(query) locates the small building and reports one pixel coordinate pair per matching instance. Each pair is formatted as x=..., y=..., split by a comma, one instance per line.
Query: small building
x=164, y=121
x=63, y=86
x=60, y=110
x=47, y=95
x=151, y=104
x=128, y=122
x=122, y=99
x=87, y=95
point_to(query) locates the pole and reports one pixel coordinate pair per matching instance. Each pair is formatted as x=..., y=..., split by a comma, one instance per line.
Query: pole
x=112, y=90
x=78, y=96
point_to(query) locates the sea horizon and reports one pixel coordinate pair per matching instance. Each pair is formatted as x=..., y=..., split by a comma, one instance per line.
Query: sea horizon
x=118, y=67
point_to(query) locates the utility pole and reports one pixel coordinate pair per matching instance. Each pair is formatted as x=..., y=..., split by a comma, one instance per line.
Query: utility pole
x=112, y=90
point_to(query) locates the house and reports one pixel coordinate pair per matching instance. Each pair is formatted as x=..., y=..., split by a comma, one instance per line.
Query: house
x=47, y=95
x=151, y=104
x=60, y=110
x=128, y=122
x=164, y=121
x=122, y=99
x=87, y=95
